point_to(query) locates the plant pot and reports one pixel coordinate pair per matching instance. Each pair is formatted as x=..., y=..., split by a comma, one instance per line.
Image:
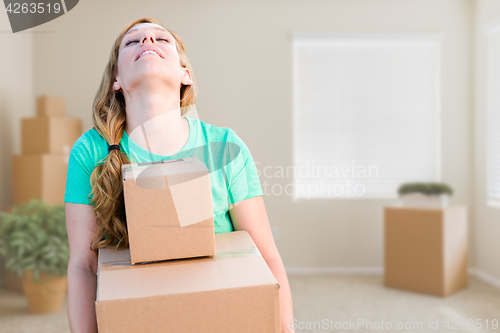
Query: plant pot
x=44, y=296
x=421, y=200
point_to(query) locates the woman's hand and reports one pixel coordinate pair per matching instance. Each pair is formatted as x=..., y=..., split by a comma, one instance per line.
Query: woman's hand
x=251, y=215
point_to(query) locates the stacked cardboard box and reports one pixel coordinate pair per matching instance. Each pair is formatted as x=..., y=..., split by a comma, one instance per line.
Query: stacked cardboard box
x=46, y=140
x=177, y=275
x=40, y=170
x=232, y=292
x=169, y=210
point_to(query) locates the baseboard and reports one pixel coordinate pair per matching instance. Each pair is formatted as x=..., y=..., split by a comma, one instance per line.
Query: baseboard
x=334, y=270
x=485, y=277
x=376, y=271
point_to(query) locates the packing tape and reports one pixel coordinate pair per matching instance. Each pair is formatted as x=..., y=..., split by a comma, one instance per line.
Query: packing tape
x=137, y=168
x=229, y=254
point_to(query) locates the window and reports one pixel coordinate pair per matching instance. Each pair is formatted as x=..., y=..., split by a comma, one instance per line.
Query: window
x=493, y=117
x=366, y=113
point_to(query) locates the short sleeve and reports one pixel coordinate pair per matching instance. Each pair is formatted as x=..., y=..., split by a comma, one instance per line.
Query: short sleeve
x=241, y=171
x=80, y=166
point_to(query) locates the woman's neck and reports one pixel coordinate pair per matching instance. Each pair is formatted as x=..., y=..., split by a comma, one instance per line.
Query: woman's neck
x=154, y=121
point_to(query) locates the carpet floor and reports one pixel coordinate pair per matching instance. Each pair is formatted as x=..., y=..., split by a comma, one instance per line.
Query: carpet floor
x=331, y=303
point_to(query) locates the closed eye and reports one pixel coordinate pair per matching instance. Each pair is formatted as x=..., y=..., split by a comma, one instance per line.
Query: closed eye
x=161, y=38
x=131, y=41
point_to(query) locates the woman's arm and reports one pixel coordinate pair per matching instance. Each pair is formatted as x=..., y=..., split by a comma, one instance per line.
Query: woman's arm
x=82, y=268
x=251, y=215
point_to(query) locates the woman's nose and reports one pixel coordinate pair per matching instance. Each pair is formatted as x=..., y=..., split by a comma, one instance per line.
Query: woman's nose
x=148, y=37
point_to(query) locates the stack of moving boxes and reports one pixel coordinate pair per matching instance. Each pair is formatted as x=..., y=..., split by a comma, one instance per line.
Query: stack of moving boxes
x=40, y=171
x=46, y=140
x=178, y=275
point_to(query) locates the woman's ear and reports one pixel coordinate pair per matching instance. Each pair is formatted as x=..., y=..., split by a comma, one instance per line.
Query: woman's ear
x=186, y=77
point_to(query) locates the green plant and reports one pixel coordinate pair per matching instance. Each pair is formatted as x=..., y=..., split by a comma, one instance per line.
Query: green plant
x=33, y=237
x=425, y=188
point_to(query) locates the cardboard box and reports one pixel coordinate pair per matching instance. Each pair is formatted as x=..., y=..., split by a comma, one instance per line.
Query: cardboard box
x=233, y=292
x=42, y=135
x=169, y=210
x=426, y=249
x=40, y=176
x=50, y=106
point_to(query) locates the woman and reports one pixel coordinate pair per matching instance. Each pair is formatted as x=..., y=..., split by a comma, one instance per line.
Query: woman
x=148, y=80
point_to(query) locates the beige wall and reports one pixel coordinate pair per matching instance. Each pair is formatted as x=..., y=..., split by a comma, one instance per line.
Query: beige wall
x=241, y=54
x=16, y=100
x=16, y=97
x=487, y=218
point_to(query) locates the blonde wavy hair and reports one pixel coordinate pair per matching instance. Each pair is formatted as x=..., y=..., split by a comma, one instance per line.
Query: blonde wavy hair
x=109, y=121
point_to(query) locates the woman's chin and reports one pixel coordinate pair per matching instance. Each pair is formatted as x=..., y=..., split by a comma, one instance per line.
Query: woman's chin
x=154, y=79
x=153, y=70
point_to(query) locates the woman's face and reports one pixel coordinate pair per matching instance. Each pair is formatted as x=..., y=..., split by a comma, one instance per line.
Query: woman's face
x=148, y=51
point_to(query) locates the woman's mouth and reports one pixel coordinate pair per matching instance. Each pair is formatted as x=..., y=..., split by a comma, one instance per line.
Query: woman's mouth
x=148, y=52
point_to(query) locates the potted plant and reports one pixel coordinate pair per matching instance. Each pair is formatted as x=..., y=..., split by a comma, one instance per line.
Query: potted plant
x=431, y=195
x=34, y=243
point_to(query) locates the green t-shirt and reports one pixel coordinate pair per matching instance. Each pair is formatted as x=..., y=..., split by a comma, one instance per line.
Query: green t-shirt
x=232, y=169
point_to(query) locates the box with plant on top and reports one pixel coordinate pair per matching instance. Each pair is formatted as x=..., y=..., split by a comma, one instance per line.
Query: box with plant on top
x=34, y=243
x=419, y=194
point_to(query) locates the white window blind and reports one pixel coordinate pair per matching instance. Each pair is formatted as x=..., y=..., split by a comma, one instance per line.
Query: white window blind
x=493, y=117
x=366, y=113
